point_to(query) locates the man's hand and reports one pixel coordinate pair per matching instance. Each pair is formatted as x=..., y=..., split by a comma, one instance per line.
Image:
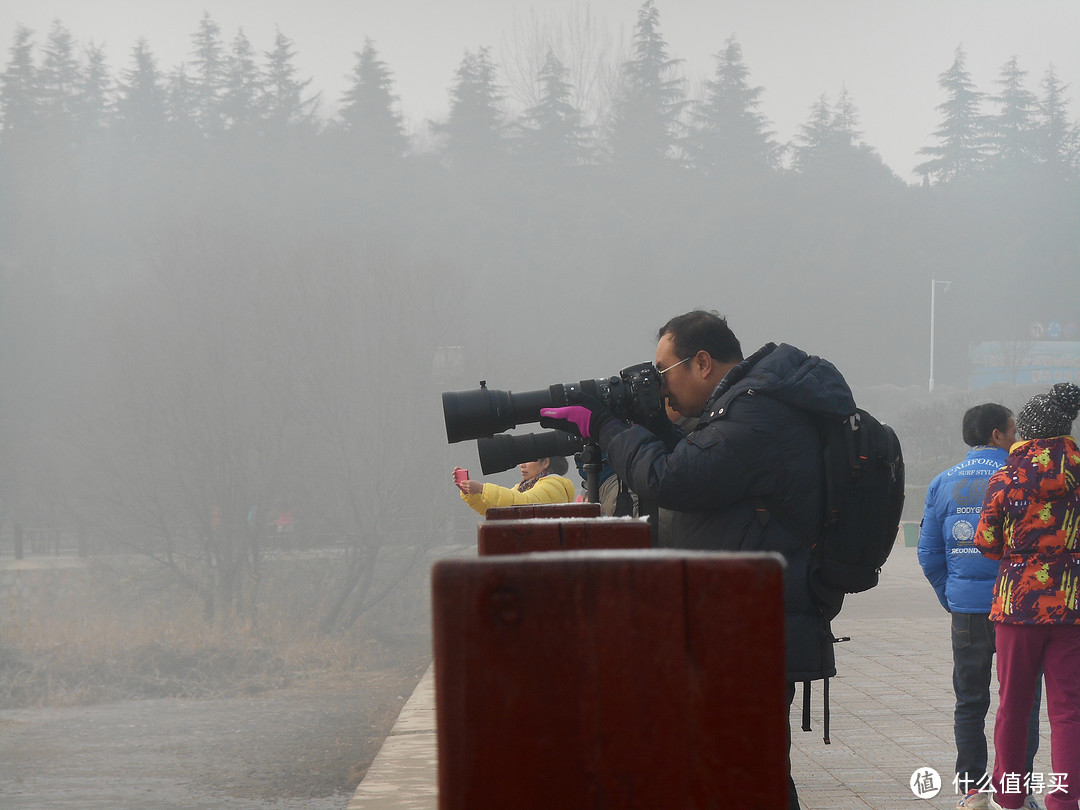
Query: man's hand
x=584, y=418
x=661, y=426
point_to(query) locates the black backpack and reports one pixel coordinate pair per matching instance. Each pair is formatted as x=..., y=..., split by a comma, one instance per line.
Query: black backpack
x=864, y=493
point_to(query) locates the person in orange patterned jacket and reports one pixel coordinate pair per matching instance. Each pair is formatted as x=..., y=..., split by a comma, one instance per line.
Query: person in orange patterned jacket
x=1031, y=522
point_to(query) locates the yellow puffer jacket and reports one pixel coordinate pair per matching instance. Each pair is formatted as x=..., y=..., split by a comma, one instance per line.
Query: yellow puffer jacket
x=549, y=489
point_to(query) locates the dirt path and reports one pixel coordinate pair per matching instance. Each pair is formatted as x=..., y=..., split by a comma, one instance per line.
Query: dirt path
x=302, y=748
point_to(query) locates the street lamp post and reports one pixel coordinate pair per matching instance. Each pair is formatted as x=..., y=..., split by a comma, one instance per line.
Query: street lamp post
x=933, y=294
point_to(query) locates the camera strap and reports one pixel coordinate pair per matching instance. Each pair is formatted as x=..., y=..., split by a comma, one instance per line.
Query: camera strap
x=624, y=502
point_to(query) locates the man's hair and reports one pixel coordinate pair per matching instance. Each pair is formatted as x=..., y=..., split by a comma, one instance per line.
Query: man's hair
x=981, y=421
x=699, y=330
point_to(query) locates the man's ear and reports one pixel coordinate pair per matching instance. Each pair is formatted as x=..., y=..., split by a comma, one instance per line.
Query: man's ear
x=703, y=362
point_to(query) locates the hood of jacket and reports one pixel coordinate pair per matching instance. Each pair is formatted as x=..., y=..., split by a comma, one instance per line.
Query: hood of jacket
x=1049, y=468
x=791, y=376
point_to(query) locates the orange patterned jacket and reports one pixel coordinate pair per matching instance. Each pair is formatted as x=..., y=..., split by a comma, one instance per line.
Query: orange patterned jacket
x=1031, y=522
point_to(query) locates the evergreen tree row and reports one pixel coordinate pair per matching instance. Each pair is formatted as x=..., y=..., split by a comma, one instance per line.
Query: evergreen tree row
x=67, y=95
x=1027, y=130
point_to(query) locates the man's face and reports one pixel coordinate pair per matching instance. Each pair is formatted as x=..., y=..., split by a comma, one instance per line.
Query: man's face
x=681, y=382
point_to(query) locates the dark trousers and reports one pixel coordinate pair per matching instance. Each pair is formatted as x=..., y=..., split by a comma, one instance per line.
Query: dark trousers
x=973, y=655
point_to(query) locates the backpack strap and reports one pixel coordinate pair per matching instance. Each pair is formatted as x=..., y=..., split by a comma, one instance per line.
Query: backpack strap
x=806, y=705
x=855, y=443
x=825, y=697
x=825, y=713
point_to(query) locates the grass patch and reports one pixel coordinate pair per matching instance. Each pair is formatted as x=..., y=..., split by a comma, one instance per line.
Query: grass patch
x=102, y=634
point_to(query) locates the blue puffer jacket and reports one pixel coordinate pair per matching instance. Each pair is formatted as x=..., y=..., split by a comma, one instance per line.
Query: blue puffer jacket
x=962, y=577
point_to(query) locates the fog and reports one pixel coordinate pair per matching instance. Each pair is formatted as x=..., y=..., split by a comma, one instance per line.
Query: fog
x=225, y=298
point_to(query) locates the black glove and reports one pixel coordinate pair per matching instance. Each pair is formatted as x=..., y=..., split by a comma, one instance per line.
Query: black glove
x=584, y=418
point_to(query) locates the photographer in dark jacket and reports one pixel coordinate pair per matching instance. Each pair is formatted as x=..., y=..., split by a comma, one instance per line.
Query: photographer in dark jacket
x=749, y=476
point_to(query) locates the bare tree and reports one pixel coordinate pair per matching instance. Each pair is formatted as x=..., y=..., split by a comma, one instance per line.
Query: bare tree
x=255, y=373
x=585, y=47
x=1013, y=354
x=365, y=326
x=192, y=423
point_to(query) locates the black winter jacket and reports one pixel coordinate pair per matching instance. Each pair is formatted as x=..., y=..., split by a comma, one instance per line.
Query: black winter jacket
x=749, y=478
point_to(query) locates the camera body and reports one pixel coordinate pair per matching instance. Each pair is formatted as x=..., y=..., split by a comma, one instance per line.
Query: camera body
x=633, y=395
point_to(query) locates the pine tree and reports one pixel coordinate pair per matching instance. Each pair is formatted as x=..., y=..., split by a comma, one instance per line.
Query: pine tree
x=815, y=136
x=182, y=105
x=1055, y=140
x=369, y=113
x=283, y=102
x=645, y=128
x=551, y=133
x=1010, y=133
x=208, y=75
x=242, y=87
x=141, y=102
x=845, y=122
x=961, y=140
x=59, y=80
x=729, y=134
x=95, y=93
x=473, y=130
x=831, y=145
x=19, y=97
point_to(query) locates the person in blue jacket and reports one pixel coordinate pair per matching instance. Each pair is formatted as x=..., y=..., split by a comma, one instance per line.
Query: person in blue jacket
x=964, y=580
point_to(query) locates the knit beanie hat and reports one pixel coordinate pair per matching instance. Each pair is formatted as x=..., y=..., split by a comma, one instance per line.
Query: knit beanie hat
x=1048, y=415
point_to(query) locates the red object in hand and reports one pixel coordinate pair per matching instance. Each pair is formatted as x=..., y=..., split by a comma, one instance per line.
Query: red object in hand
x=460, y=477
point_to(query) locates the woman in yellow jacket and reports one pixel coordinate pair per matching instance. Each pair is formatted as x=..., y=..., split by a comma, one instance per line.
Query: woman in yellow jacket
x=542, y=481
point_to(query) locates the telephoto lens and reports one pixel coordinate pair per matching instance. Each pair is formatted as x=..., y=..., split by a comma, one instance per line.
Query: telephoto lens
x=503, y=452
x=484, y=411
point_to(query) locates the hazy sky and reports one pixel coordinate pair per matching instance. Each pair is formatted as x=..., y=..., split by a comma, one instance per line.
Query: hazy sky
x=888, y=53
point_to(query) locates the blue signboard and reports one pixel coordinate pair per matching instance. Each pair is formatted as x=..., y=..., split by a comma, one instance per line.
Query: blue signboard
x=1033, y=362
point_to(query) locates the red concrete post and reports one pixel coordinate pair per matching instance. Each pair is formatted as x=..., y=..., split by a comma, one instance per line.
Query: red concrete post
x=543, y=510
x=521, y=536
x=611, y=681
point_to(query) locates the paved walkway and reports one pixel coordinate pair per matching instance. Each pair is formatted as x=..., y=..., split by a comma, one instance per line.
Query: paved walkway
x=891, y=712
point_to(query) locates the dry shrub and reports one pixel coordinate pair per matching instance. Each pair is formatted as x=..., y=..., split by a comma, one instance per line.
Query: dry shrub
x=111, y=633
